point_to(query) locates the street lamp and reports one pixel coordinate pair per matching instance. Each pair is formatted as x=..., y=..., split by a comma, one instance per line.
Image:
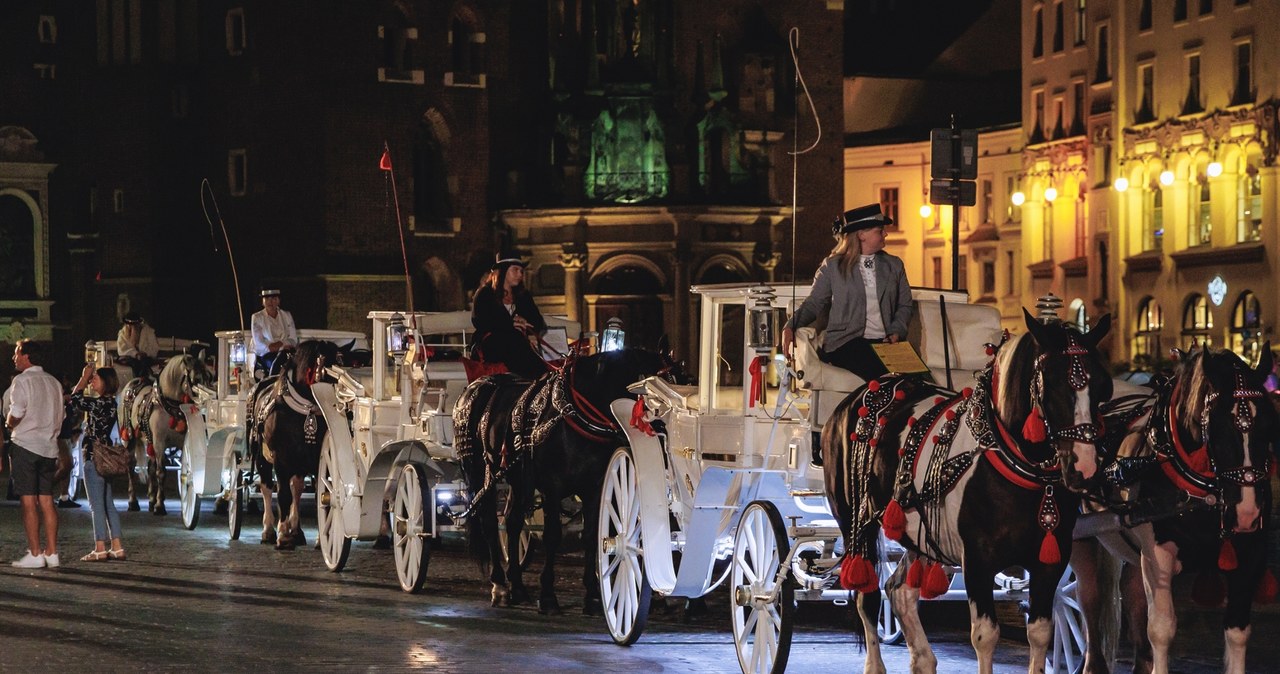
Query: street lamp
x=1050, y=194
x=926, y=211
x=1018, y=198
x=1166, y=178
x=1122, y=184
x=1215, y=169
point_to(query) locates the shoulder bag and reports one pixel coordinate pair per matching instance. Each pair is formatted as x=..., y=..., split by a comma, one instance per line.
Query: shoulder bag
x=110, y=460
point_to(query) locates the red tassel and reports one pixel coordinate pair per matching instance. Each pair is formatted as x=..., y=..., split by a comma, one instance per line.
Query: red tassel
x=180, y=427
x=151, y=450
x=1209, y=589
x=173, y=422
x=1033, y=428
x=894, y=521
x=1198, y=461
x=857, y=574
x=936, y=582
x=1049, y=552
x=1227, y=556
x=915, y=574
x=1267, y=586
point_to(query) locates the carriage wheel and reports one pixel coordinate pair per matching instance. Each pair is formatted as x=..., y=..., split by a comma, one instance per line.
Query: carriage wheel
x=334, y=544
x=887, y=627
x=410, y=528
x=187, y=494
x=1067, y=654
x=763, y=608
x=624, y=588
x=232, y=486
x=526, y=545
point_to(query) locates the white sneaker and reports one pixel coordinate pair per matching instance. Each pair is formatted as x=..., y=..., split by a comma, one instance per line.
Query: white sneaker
x=52, y=561
x=30, y=561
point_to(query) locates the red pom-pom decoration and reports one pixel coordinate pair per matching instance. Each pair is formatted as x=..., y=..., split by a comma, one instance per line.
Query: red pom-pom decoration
x=873, y=442
x=939, y=400
x=911, y=421
x=1033, y=428
x=902, y=451
x=882, y=421
x=1227, y=556
x=863, y=411
x=915, y=574
x=181, y=426
x=991, y=350
x=966, y=392
x=1267, y=586
x=1049, y=552
x=899, y=395
x=951, y=415
x=151, y=450
x=173, y=422
x=894, y=521
x=873, y=385
x=935, y=583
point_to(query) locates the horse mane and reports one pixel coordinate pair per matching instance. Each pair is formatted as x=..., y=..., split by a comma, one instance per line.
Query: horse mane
x=175, y=371
x=1014, y=366
x=307, y=354
x=1194, y=386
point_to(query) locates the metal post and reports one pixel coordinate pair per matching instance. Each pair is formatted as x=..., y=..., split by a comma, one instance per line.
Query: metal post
x=955, y=206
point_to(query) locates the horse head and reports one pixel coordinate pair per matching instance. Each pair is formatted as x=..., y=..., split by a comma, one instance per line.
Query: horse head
x=181, y=373
x=307, y=364
x=1224, y=425
x=1052, y=384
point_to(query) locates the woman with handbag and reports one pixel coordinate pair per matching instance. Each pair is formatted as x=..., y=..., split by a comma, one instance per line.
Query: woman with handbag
x=100, y=417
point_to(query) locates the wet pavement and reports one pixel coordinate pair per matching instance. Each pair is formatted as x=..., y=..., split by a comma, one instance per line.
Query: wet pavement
x=193, y=600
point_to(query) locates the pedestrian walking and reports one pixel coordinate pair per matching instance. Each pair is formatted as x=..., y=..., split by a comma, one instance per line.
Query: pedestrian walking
x=34, y=417
x=99, y=418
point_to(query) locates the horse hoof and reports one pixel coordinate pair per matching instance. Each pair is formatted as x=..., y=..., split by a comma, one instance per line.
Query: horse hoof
x=159, y=512
x=134, y=507
x=499, y=595
x=298, y=538
x=549, y=606
x=382, y=543
x=518, y=596
x=285, y=544
x=151, y=507
x=592, y=606
x=268, y=537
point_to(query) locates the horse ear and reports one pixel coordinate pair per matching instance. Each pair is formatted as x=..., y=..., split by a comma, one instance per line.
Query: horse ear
x=1099, y=331
x=1265, y=363
x=1042, y=334
x=664, y=345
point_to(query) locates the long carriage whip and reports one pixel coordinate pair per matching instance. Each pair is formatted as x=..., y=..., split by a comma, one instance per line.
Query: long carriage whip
x=385, y=165
x=793, y=41
x=235, y=276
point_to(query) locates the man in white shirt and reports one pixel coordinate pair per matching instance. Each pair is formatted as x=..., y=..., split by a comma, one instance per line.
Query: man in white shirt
x=136, y=344
x=34, y=416
x=273, y=331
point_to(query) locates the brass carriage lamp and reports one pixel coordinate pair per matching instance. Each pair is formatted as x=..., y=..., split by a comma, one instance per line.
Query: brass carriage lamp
x=397, y=332
x=91, y=352
x=763, y=319
x=613, y=338
x=237, y=353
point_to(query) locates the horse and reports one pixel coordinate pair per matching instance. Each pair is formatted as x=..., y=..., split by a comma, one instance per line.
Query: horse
x=286, y=431
x=1195, y=455
x=151, y=420
x=932, y=466
x=553, y=435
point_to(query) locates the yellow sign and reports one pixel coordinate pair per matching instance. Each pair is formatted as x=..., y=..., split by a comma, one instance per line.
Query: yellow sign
x=900, y=357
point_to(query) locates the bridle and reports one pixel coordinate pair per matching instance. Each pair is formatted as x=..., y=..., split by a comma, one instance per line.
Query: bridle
x=1078, y=379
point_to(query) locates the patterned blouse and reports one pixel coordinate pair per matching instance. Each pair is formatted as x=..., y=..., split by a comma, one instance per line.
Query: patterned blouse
x=99, y=420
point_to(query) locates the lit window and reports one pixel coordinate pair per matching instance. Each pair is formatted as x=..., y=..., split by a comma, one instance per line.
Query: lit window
x=1249, y=205
x=1246, y=327
x=1197, y=323
x=1081, y=22
x=1146, y=339
x=889, y=204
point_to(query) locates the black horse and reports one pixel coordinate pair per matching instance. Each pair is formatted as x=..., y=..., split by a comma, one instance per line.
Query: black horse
x=1198, y=449
x=984, y=479
x=286, y=431
x=553, y=435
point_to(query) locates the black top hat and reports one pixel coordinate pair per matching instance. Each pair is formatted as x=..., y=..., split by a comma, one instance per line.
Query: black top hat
x=862, y=217
x=132, y=318
x=270, y=292
x=506, y=259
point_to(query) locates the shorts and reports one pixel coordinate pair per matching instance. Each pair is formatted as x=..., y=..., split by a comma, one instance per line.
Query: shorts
x=32, y=473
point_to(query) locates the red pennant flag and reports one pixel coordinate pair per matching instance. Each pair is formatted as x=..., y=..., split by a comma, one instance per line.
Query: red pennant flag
x=385, y=162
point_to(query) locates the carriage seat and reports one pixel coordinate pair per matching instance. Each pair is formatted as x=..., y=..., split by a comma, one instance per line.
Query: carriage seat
x=972, y=327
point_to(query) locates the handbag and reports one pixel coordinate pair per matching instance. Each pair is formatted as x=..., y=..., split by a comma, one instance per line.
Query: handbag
x=110, y=460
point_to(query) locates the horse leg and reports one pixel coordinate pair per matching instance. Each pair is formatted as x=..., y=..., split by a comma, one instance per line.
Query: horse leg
x=156, y=488
x=905, y=600
x=1241, y=585
x=268, y=514
x=133, y=485
x=518, y=500
x=869, y=611
x=551, y=536
x=1041, y=593
x=1089, y=589
x=591, y=604
x=488, y=514
x=284, y=536
x=1159, y=564
x=296, y=484
x=1135, y=602
x=984, y=631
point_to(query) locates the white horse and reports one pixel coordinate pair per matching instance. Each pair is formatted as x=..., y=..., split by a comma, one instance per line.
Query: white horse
x=152, y=420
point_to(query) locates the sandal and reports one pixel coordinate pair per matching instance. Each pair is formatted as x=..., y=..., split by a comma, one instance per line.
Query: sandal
x=96, y=556
x=116, y=554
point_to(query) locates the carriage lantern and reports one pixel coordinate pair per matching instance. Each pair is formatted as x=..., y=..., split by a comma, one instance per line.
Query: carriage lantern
x=763, y=318
x=237, y=354
x=614, y=337
x=397, y=344
x=91, y=352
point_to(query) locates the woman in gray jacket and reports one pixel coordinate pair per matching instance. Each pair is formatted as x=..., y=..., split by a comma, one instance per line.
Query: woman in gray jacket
x=863, y=293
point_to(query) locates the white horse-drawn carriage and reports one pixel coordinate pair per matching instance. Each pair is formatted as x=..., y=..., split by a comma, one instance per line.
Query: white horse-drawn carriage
x=215, y=461
x=390, y=443
x=727, y=485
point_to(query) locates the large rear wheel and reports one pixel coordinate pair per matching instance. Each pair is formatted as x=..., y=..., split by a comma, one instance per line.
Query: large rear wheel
x=1067, y=655
x=410, y=528
x=334, y=544
x=763, y=608
x=624, y=589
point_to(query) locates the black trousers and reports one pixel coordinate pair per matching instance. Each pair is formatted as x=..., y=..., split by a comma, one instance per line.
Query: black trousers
x=858, y=357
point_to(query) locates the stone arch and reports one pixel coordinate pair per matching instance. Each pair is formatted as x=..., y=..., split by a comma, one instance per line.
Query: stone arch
x=432, y=196
x=622, y=261
x=21, y=245
x=722, y=268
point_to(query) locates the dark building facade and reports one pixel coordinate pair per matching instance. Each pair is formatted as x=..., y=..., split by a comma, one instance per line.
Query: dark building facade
x=627, y=148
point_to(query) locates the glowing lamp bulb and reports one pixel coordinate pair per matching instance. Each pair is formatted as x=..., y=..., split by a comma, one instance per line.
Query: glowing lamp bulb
x=1050, y=194
x=1215, y=169
x=926, y=211
x=1018, y=198
x=1166, y=178
x=1121, y=184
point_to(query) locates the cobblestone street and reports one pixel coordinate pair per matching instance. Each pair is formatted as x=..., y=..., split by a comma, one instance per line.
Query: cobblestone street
x=194, y=600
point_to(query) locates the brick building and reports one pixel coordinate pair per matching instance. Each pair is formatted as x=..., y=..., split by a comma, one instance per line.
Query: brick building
x=628, y=148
